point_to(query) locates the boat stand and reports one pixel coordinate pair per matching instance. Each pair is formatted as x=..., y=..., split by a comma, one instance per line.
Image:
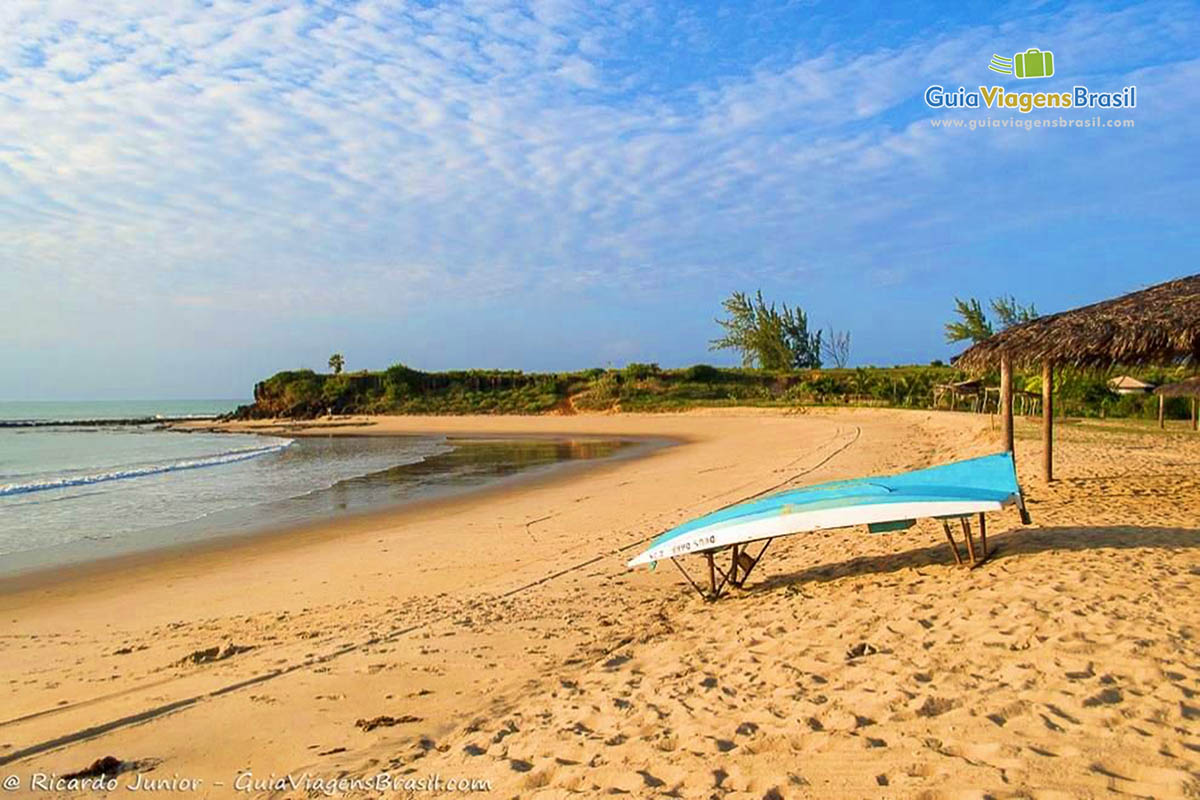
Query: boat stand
x=974, y=559
x=741, y=564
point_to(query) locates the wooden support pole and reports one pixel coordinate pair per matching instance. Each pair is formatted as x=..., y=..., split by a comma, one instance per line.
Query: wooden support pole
x=966, y=526
x=950, y=539
x=1006, y=399
x=712, y=575
x=733, y=567
x=746, y=562
x=983, y=533
x=1162, y=403
x=1048, y=420
x=679, y=567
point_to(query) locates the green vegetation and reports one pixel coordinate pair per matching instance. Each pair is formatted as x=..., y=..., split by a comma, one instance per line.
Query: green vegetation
x=781, y=367
x=647, y=387
x=1009, y=312
x=766, y=337
x=973, y=325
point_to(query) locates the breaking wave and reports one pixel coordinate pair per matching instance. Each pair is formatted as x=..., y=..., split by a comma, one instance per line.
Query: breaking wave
x=67, y=481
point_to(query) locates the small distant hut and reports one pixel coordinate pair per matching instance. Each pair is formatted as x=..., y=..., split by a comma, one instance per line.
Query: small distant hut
x=1188, y=388
x=1127, y=384
x=971, y=391
x=1155, y=326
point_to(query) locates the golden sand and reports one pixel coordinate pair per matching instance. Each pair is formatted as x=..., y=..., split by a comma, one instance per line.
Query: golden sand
x=500, y=637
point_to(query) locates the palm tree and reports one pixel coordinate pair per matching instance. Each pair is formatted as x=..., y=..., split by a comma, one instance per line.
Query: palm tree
x=336, y=362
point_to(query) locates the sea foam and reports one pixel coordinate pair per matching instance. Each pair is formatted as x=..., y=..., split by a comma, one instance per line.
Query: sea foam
x=67, y=481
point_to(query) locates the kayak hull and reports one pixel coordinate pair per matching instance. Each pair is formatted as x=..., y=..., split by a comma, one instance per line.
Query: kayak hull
x=953, y=490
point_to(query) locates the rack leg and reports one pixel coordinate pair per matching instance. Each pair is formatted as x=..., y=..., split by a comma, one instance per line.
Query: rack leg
x=966, y=526
x=950, y=539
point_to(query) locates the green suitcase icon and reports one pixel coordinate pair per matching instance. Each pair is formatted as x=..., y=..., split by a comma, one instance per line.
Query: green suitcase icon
x=1034, y=63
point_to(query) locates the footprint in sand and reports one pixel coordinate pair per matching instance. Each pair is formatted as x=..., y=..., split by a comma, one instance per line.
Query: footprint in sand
x=651, y=781
x=1104, y=698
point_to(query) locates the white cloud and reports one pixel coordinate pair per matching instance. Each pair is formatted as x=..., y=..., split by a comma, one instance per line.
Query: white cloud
x=363, y=155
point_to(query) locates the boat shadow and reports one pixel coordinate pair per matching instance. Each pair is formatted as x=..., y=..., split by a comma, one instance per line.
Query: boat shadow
x=1002, y=546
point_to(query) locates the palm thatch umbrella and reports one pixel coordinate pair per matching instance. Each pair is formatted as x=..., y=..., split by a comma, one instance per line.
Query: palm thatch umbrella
x=1185, y=388
x=1159, y=325
x=1127, y=384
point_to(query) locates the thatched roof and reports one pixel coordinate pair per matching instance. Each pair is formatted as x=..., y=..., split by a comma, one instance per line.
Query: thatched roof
x=973, y=385
x=1129, y=383
x=1185, y=388
x=1159, y=325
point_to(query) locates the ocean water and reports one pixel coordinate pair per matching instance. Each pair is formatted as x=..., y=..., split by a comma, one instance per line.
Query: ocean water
x=77, y=492
x=43, y=412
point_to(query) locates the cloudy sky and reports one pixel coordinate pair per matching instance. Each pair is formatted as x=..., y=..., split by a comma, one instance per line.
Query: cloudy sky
x=197, y=193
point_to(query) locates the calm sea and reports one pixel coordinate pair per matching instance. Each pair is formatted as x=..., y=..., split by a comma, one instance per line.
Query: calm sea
x=77, y=492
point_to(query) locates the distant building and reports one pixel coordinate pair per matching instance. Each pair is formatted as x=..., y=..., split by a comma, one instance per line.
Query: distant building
x=1124, y=384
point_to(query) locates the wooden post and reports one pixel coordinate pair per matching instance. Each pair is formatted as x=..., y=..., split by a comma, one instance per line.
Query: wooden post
x=966, y=526
x=983, y=534
x=1162, y=401
x=1048, y=420
x=1006, y=399
x=950, y=539
x=712, y=576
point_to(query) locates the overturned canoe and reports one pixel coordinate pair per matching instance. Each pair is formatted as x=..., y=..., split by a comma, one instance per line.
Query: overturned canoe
x=890, y=502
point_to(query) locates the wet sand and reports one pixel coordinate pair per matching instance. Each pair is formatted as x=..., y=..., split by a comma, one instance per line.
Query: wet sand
x=500, y=637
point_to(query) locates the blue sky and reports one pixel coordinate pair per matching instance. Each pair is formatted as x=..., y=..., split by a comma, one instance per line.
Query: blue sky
x=194, y=195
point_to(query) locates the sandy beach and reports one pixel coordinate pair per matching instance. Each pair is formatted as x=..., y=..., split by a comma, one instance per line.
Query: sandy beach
x=500, y=638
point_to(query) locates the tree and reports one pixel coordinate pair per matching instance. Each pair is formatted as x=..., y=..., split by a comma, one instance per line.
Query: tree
x=775, y=339
x=973, y=323
x=336, y=362
x=1010, y=312
x=836, y=347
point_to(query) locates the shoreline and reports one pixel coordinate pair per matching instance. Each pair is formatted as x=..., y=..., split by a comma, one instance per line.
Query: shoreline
x=258, y=540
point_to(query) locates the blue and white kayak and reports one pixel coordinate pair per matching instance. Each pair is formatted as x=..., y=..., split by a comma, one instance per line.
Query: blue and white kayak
x=890, y=502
